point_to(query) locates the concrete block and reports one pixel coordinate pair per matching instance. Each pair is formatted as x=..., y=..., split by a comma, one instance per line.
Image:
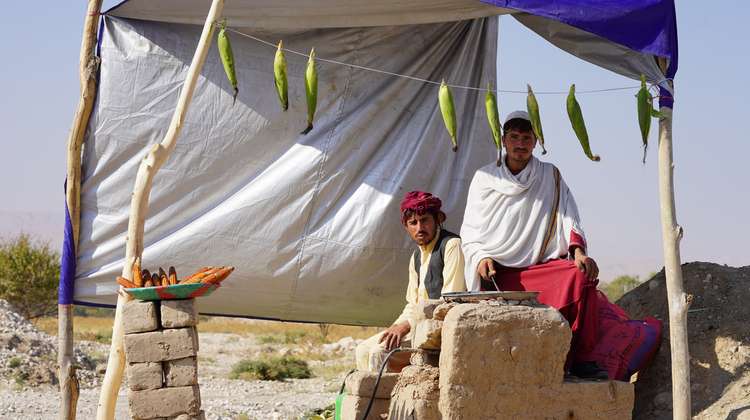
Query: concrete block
x=140, y=316
x=199, y=416
x=353, y=408
x=425, y=358
x=158, y=346
x=427, y=335
x=361, y=384
x=164, y=402
x=144, y=376
x=181, y=372
x=179, y=313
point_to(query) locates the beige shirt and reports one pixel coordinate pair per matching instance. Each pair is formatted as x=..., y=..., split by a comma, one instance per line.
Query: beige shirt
x=453, y=276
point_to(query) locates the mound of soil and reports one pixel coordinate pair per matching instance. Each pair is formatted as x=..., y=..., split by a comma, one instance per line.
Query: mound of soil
x=719, y=340
x=28, y=357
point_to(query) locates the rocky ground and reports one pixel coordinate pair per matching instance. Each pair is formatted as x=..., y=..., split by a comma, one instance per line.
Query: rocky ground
x=719, y=343
x=718, y=333
x=28, y=379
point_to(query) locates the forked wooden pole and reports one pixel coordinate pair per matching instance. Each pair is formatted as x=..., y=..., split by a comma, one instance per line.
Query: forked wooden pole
x=88, y=66
x=678, y=300
x=139, y=208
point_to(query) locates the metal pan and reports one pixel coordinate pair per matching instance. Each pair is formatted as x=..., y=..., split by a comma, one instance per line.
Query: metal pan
x=466, y=297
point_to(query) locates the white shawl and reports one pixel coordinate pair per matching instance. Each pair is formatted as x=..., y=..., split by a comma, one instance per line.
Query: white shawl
x=507, y=216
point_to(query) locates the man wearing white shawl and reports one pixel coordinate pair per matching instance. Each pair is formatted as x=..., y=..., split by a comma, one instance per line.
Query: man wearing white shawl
x=521, y=229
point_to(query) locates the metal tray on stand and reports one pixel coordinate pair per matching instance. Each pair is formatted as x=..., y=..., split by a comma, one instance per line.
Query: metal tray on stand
x=468, y=297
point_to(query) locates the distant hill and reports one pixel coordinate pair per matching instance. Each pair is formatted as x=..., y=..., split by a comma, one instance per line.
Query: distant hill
x=42, y=226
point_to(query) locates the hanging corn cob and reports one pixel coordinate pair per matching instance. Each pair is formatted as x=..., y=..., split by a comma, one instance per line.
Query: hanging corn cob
x=645, y=112
x=445, y=99
x=227, y=58
x=279, y=77
x=490, y=105
x=532, y=106
x=579, y=127
x=136, y=273
x=311, y=90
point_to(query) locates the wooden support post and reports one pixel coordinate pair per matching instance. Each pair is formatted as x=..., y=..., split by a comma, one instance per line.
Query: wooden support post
x=89, y=65
x=678, y=300
x=139, y=208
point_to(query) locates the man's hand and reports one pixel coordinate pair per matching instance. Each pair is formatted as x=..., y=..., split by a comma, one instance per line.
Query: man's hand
x=394, y=334
x=486, y=268
x=586, y=264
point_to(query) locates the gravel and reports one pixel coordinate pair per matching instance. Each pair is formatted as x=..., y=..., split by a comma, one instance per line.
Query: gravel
x=28, y=380
x=28, y=356
x=222, y=399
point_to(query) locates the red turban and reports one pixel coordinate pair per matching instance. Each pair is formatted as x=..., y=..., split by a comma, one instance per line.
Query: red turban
x=419, y=202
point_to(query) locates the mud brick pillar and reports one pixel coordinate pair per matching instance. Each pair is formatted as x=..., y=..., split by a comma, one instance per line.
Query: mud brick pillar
x=506, y=361
x=358, y=391
x=161, y=348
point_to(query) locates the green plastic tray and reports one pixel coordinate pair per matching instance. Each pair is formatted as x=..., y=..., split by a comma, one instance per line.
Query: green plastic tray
x=175, y=291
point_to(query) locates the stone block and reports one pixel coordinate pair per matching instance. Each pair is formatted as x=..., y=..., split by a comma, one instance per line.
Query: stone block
x=181, y=372
x=179, y=313
x=158, y=346
x=426, y=308
x=442, y=310
x=427, y=335
x=199, y=416
x=142, y=376
x=597, y=399
x=140, y=316
x=425, y=358
x=361, y=384
x=353, y=408
x=416, y=394
x=164, y=402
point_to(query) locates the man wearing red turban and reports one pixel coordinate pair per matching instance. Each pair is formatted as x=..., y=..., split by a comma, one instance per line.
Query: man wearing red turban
x=436, y=267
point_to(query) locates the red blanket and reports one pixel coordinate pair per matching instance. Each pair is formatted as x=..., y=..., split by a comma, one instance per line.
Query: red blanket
x=602, y=331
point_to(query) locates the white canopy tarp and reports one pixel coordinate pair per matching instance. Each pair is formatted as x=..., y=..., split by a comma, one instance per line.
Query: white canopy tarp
x=311, y=222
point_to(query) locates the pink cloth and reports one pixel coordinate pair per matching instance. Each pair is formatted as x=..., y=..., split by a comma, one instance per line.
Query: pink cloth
x=564, y=287
x=624, y=346
x=602, y=331
x=419, y=202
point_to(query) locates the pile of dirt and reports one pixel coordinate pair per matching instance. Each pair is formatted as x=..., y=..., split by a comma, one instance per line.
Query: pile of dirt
x=719, y=339
x=28, y=357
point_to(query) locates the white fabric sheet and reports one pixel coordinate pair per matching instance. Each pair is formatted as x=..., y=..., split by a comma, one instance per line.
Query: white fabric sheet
x=308, y=14
x=507, y=217
x=311, y=222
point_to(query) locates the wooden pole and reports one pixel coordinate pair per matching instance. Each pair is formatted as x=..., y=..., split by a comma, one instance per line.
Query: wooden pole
x=139, y=208
x=678, y=300
x=89, y=65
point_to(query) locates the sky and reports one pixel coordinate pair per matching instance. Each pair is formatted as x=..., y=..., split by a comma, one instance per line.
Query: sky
x=617, y=197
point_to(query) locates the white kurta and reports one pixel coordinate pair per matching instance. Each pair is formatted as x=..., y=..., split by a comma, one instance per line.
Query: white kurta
x=507, y=216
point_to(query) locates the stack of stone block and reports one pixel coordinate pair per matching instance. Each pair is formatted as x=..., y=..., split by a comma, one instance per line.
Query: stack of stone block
x=358, y=390
x=417, y=391
x=161, y=347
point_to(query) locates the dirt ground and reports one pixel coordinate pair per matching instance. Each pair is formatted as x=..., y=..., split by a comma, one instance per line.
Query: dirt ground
x=718, y=334
x=28, y=383
x=719, y=342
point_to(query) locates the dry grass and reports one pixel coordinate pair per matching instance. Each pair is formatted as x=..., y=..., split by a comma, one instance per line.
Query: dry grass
x=331, y=371
x=284, y=332
x=94, y=328
x=86, y=328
